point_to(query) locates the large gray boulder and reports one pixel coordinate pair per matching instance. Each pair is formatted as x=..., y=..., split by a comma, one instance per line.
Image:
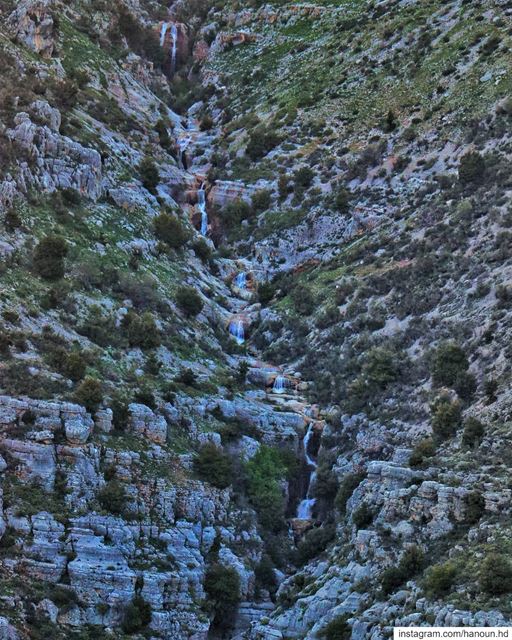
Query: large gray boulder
x=78, y=429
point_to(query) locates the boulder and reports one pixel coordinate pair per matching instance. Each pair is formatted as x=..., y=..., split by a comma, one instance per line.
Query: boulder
x=103, y=420
x=78, y=429
x=144, y=422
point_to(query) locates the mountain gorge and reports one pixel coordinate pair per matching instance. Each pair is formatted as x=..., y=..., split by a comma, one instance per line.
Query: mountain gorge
x=255, y=267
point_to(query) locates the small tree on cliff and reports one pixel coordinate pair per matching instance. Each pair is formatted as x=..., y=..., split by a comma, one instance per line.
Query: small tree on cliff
x=170, y=230
x=149, y=174
x=49, y=257
x=222, y=585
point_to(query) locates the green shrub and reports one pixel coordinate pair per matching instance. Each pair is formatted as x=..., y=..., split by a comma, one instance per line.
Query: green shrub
x=380, y=367
x=283, y=186
x=314, y=542
x=261, y=200
x=112, y=497
x=465, y=385
x=412, y=561
x=214, y=466
x=48, y=258
x=120, y=412
x=186, y=377
x=63, y=596
x=422, y=451
x=473, y=432
x=10, y=316
x=326, y=485
x=222, y=586
x=471, y=168
x=99, y=328
x=303, y=300
x=137, y=615
x=235, y=212
x=162, y=128
x=390, y=122
x=439, y=579
x=202, y=250
x=342, y=200
x=170, y=230
x=149, y=174
x=446, y=417
x=496, y=575
x=12, y=220
x=141, y=331
x=410, y=564
x=448, y=363
x=303, y=177
x=266, y=291
x=391, y=579
x=144, y=395
x=337, y=629
x=89, y=393
x=189, y=301
x=347, y=487
x=206, y=123
x=265, y=473
x=261, y=142
x=72, y=365
x=264, y=574
x=5, y=343
x=362, y=516
x=152, y=365
x=475, y=507
x=71, y=197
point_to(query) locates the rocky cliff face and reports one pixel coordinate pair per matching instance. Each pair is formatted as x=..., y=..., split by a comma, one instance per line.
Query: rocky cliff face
x=255, y=318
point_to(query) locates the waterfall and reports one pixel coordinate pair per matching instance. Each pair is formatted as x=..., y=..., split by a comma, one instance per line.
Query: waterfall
x=241, y=280
x=201, y=203
x=307, y=438
x=163, y=33
x=174, y=35
x=279, y=385
x=236, y=329
x=305, y=508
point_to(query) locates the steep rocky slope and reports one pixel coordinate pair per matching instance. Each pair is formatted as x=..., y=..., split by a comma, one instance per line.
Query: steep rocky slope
x=255, y=267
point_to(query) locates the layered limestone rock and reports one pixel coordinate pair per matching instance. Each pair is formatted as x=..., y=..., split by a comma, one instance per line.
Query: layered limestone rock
x=53, y=161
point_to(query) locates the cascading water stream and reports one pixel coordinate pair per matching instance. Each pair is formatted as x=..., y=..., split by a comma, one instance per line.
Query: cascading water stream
x=279, y=385
x=236, y=329
x=241, y=280
x=174, y=47
x=305, y=508
x=201, y=203
x=163, y=33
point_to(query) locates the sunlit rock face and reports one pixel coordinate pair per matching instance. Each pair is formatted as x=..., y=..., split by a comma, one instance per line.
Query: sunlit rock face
x=32, y=24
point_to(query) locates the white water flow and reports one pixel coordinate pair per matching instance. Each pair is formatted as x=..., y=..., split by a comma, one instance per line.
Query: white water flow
x=241, y=280
x=163, y=33
x=174, y=48
x=305, y=508
x=236, y=329
x=201, y=203
x=279, y=385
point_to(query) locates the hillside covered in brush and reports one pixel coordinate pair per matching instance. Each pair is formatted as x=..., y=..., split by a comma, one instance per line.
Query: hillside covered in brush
x=255, y=318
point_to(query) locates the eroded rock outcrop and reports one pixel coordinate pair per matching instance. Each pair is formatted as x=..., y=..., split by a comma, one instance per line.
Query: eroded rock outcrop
x=33, y=24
